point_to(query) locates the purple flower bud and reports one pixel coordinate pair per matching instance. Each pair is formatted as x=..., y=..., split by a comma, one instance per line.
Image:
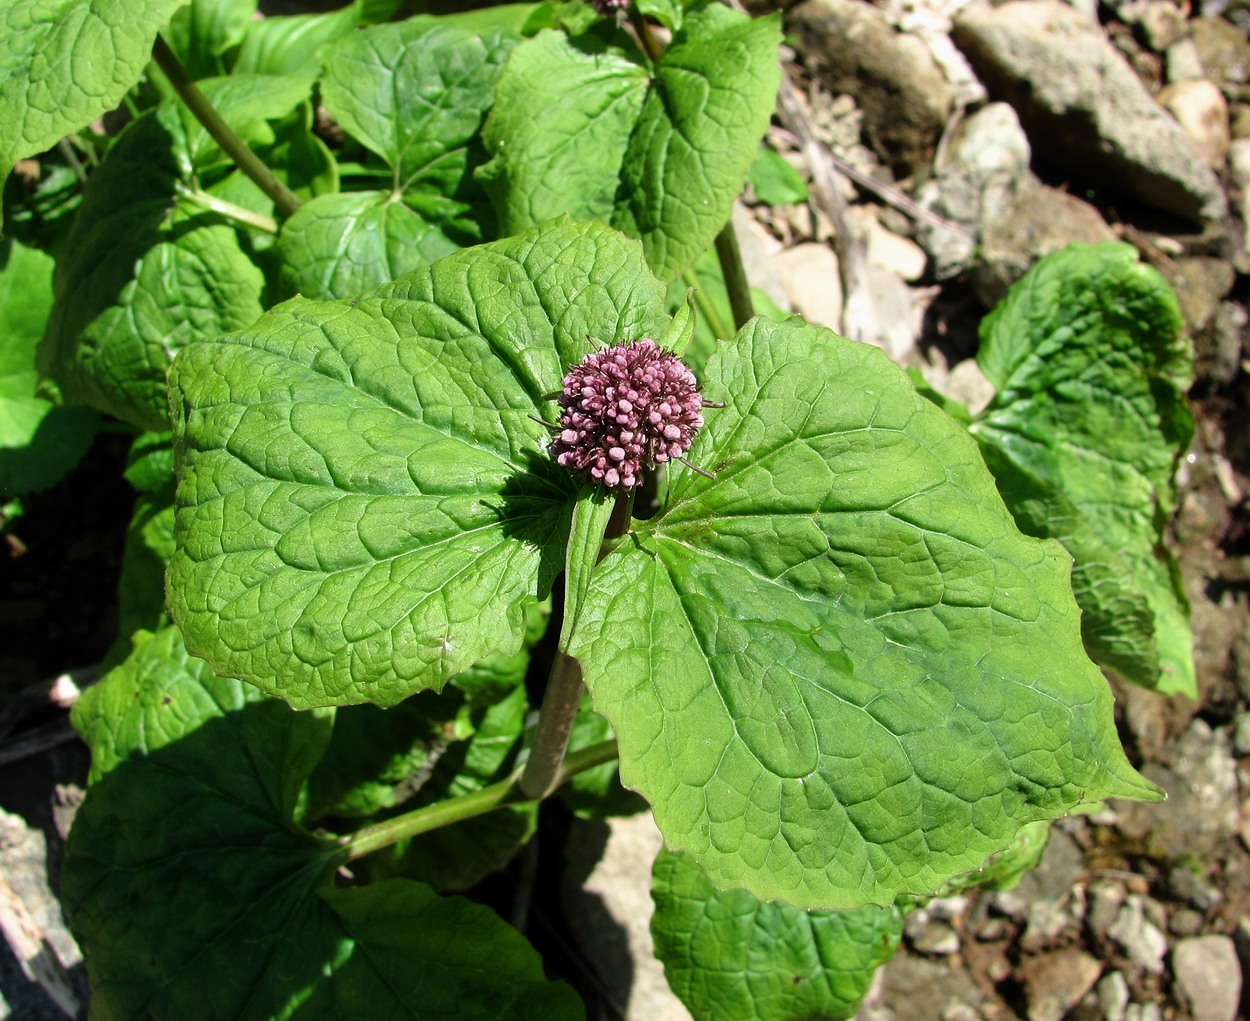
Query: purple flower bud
x=608, y=438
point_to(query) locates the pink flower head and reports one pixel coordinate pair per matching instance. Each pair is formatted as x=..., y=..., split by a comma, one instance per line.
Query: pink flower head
x=606, y=7
x=626, y=408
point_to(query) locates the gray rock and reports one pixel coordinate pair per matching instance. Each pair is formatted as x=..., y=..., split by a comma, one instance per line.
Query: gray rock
x=905, y=98
x=1143, y=942
x=1186, y=922
x=1105, y=898
x=1039, y=220
x=987, y=163
x=1083, y=107
x=1200, y=108
x=917, y=989
x=1143, y=1012
x=1113, y=996
x=1223, y=50
x=1208, y=977
x=1055, y=983
x=1182, y=62
x=1241, y=734
x=1222, y=365
x=1194, y=889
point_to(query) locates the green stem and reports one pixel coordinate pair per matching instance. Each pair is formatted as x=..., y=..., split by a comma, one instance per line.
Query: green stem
x=443, y=813
x=706, y=308
x=257, y=221
x=284, y=199
x=645, y=36
x=735, y=274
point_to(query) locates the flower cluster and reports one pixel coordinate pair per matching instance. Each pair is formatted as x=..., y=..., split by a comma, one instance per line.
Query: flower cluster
x=606, y=7
x=626, y=408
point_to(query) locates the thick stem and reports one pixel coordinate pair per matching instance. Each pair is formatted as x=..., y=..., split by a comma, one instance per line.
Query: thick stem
x=284, y=199
x=646, y=37
x=735, y=275
x=564, y=689
x=467, y=806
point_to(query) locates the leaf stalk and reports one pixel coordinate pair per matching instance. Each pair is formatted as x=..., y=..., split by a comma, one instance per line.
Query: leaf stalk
x=284, y=199
x=735, y=274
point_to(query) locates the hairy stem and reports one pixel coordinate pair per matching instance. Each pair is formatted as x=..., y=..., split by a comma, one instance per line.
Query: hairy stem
x=735, y=274
x=467, y=806
x=284, y=199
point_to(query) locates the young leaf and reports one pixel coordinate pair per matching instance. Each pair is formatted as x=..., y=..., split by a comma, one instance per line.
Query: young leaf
x=39, y=442
x=590, y=129
x=202, y=31
x=729, y=957
x=1084, y=437
x=292, y=44
x=63, y=63
x=415, y=93
x=141, y=276
x=365, y=504
x=837, y=671
x=195, y=894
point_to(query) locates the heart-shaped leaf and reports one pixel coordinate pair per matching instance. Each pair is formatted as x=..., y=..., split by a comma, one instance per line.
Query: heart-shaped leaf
x=365, y=503
x=837, y=671
x=196, y=895
x=590, y=128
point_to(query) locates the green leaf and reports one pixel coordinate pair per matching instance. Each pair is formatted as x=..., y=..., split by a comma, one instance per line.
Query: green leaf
x=667, y=12
x=65, y=62
x=338, y=246
x=415, y=93
x=140, y=277
x=150, y=463
x=292, y=44
x=559, y=130
x=775, y=181
x=838, y=672
x=195, y=895
x=141, y=586
x=591, y=514
x=714, y=91
x=596, y=793
x=729, y=957
x=586, y=128
x=1084, y=437
x=1004, y=870
x=39, y=442
x=201, y=32
x=365, y=504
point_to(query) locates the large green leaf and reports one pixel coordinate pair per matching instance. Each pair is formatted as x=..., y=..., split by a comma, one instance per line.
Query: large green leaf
x=202, y=31
x=292, y=44
x=63, y=63
x=39, y=442
x=729, y=957
x=837, y=671
x=196, y=895
x=1084, y=437
x=590, y=128
x=414, y=93
x=365, y=505
x=142, y=275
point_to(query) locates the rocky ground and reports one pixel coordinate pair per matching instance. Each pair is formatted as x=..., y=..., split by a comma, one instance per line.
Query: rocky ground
x=949, y=143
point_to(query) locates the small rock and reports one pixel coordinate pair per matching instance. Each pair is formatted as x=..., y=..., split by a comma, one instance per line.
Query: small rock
x=1194, y=889
x=1038, y=221
x=1182, y=62
x=949, y=909
x=1143, y=942
x=1105, y=900
x=905, y=98
x=1084, y=109
x=1186, y=922
x=918, y=989
x=937, y=939
x=1055, y=983
x=1223, y=50
x=1208, y=977
x=1162, y=23
x=809, y=276
x=994, y=929
x=1113, y=996
x=1011, y=904
x=1143, y=1012
x=1239, y=173
x=1199, y=107
x=1200, y=283
x=1241, y=733
x=988, y=162
x=1222, y=364
x=895, y=253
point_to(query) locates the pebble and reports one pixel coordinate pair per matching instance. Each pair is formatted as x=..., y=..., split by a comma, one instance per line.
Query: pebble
x=809, y=273
x=1208, y=977
x=1200, y=108
x=1193, y=888
x=1142, y=941
x=1055, y=983
x=1241, y=732
x=1105, y=900
x=1143, y=1012
x=1113, y=996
